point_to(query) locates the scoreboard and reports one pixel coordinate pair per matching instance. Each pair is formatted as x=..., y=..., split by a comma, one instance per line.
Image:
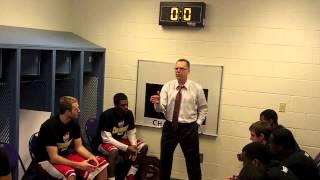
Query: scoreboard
x=182, y=14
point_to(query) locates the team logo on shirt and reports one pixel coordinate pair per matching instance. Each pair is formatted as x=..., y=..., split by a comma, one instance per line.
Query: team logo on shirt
x=120, y=130
x=66, y=137
x=284, y=169
x=66, y=142
x=306, y=154
x=121, y=123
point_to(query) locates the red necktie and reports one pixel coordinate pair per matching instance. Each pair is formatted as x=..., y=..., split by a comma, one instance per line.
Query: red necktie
x=176, y=109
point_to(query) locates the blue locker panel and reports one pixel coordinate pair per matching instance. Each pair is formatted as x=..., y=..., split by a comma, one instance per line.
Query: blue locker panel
x=63, y=62
x=0, y=63
x=30, y=62
x=36, y=76
x=9, y=97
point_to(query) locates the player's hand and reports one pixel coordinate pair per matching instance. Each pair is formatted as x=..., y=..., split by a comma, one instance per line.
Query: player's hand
x=93, y=161
x=132, y=149
x=86, y=166
x=155, y=99
x=132, y=152
x=133, y=157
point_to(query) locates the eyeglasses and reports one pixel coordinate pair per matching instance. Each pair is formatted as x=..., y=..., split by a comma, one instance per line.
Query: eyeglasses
x=181, y=69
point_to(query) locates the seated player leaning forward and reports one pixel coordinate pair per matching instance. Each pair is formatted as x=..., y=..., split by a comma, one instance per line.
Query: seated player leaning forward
x=260, y=132
x=285, y=147
x=117, y=135
x=60, y=150
x=258, y=155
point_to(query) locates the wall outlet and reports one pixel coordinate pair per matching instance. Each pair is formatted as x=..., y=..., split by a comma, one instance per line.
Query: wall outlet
x=282, y=107
x=201, y=157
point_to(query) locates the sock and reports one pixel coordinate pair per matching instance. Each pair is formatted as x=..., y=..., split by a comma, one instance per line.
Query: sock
x=132, y=171
x=111, y=178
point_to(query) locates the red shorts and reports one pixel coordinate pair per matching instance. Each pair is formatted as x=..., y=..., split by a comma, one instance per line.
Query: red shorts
x=62, y=171
x=108, y=147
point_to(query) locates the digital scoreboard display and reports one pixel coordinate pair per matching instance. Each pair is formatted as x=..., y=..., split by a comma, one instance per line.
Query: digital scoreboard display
x=182, y=14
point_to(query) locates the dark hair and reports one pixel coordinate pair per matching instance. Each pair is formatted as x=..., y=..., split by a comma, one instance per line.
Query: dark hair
x=261, y=127
x=65, y=103
x=184, y=60
x=283, y=137
x=252, y=172
x=149, y=168
x=257, y=151
x=119, y=97
x=269, y=115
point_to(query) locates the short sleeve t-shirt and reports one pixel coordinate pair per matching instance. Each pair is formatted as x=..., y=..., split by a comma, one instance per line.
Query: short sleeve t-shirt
x=302, y=165
x=276, y=171
x=54, y=133
x=117, y=125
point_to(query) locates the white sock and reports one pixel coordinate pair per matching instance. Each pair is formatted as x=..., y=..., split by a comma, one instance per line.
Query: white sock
x=133, y=170
x=112, y=178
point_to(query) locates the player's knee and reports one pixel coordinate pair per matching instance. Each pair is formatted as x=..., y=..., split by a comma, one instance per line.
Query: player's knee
x=114, y=154
x=144, y=149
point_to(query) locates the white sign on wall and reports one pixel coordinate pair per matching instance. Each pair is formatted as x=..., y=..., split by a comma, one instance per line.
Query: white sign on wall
x=151, y=77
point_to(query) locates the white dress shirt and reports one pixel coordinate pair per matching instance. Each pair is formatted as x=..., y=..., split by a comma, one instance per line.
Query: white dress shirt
x=193, y=107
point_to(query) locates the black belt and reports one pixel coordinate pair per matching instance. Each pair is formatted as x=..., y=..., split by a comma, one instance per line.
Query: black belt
x=182, y=124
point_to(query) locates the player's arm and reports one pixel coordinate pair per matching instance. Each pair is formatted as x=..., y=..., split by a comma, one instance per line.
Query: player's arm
x=80, y=149
x=131, y=133
x=55, y=158
x=107, y=138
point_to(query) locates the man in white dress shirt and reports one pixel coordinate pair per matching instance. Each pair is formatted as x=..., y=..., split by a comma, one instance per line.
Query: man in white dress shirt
x=184, y=105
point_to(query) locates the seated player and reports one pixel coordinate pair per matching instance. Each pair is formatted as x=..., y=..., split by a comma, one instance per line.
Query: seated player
x=60, y=150
x=260, y=132
x=270, y=116
x=117, y=136
x=259, y=155
x=285, y=147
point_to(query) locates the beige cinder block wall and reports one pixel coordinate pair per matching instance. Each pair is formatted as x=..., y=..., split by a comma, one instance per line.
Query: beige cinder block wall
x=44, y=14
x=270, y=51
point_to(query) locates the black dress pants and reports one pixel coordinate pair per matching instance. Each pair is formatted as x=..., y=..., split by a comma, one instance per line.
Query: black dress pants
x=188, y=138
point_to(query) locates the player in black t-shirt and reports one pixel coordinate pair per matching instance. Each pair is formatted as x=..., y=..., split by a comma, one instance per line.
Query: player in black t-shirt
x=284, y=145
x=4, y=165
x=259, y=155
x=60, y=150
x=117, y=135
